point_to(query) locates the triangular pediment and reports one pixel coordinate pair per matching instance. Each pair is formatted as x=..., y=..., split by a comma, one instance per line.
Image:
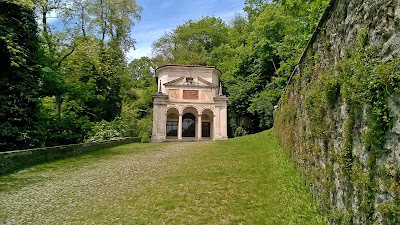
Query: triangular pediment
x=177, y=81
x=181, y=81
x=207, y=83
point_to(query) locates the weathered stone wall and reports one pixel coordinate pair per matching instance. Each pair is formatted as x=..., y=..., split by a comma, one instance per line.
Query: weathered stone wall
x=16, y=160
x=340, y=114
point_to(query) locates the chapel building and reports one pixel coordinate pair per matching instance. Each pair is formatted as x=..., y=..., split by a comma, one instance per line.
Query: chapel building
x=189, y=104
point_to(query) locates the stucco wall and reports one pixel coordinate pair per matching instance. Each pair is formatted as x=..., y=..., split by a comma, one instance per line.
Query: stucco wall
x=340, y=114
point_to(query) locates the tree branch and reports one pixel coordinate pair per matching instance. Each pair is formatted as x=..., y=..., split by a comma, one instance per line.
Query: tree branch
x=65, y=56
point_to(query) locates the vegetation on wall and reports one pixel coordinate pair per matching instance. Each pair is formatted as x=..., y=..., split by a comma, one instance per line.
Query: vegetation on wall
x=364, y=84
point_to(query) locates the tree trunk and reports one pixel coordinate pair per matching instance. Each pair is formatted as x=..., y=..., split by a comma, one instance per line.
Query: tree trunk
x=59, y=101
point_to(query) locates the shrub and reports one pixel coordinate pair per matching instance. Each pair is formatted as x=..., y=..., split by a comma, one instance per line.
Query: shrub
x=105, y=130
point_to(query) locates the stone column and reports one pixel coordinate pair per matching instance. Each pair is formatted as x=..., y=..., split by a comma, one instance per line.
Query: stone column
x=220, y=123
x=180, y=126
x=216, y=124
x=154, y=135
x=199, y=127
x=214, y=127
x=160, y=101
x=223, y=122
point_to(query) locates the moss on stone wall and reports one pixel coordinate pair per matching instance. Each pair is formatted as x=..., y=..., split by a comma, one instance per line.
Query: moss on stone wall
x=336, y=119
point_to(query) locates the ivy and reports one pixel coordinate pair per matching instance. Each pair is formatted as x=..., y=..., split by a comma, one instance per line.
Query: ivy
x=363, y=83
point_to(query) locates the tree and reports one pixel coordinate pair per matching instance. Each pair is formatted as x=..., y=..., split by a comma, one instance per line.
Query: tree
x=19, y=77
x=254, y=7
x=139, y=86
x=192, y=42
x=114, y=19
x=55, y=85
x=260, y=55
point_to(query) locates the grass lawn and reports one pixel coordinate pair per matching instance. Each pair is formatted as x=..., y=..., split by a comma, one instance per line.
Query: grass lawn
x=246, y=180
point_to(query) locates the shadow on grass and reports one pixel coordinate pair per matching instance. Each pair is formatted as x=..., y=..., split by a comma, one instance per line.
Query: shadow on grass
x=18, y=180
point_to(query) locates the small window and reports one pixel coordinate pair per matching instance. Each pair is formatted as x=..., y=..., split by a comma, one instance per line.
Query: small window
x=189, y=80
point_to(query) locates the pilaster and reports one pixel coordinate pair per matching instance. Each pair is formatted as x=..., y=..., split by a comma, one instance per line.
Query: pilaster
x=221, y=117
x=199, y=127
x=180, y=126
x=160, y=102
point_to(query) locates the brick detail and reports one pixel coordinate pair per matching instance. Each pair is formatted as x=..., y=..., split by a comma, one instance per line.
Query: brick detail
x=191, y=94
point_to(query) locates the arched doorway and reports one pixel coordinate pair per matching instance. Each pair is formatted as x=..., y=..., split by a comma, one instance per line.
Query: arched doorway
x=172, y=123
x=207, y=124
x=188, y=125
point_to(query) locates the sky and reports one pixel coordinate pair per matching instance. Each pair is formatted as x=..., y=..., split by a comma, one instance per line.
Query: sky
x=161, y=16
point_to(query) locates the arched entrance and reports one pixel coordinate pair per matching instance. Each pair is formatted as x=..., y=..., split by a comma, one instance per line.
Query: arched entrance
x=172, y=123
x=188, y=125
x=189, y=120
x=207, y=124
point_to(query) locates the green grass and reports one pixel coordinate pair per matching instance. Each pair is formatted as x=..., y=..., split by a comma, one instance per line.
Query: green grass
x=246, y=180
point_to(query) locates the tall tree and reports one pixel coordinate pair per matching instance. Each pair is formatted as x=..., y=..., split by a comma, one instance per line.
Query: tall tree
x=19, y=77
x=257, y=63
x=192, y=42
x=114, y=19
x=105, y=26
x=139, y=86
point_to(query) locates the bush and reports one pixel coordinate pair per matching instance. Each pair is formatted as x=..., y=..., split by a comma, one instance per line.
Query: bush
x=105, y=130
x=67, y=129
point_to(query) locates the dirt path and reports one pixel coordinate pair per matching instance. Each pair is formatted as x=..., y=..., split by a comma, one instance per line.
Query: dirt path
x=65, y=191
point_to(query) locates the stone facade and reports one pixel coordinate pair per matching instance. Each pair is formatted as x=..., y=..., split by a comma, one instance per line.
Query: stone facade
x=355, y=181
x=189, y=104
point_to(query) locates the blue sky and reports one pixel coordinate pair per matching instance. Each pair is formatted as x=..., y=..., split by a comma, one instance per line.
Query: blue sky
x=159, y=17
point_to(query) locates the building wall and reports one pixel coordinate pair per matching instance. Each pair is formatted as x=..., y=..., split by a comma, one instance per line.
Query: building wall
x=340, y=114
x=195, y=96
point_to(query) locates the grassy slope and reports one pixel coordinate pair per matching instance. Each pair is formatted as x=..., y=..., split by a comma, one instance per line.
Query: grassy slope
x=247, y=179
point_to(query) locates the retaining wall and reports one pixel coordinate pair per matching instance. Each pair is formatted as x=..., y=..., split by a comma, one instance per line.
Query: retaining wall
x=340, y=114
x=16, y=160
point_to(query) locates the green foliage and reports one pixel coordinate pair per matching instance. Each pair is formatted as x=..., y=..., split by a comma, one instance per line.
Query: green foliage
x=192, y=42
x=255, y=54
x=67, y=129
x=92, y=74
x=58, y=84
x=140, y=73
x=366, y=80
x=332, y=89
x=19, y=77
x=257, y=63
x=104, y=130
x=362, y=83
x=25, y=3
x=240, y=131
x=114, y=20
x=137, y=105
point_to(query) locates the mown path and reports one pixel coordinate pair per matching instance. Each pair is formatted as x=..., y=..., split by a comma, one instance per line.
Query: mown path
x=243, y=180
